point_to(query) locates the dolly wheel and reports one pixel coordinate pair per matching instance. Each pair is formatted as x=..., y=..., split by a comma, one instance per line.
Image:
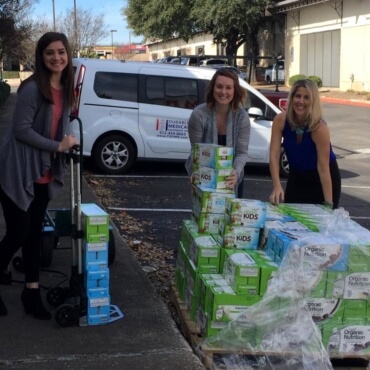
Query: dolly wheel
x=17, y=263
x=56, y=296
x=67, y=315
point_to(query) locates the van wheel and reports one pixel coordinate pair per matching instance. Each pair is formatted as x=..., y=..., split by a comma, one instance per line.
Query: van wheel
x=114, y=154
x=284, y=164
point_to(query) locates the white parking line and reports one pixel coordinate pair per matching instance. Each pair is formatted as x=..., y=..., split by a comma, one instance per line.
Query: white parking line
x=184, y=177
x=151, y=209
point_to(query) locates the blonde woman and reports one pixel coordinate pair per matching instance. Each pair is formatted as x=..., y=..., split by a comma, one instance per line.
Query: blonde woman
x=314, y=175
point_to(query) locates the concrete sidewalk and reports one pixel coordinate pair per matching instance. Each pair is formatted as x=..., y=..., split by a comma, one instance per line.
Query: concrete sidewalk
x=145, y=338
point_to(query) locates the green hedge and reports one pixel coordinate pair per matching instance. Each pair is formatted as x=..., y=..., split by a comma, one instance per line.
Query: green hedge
x=317, y=80
x=4, y=91
x=10, y=74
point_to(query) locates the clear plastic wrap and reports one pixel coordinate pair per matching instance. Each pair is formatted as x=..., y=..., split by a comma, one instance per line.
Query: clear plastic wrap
x=279, y=332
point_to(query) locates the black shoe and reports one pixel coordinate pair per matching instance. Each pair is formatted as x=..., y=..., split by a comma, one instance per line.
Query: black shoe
x=3, y=310
x=32, y=304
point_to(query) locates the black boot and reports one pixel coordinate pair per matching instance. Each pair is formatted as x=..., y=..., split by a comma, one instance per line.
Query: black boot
x=3, y=310
x=32, y=304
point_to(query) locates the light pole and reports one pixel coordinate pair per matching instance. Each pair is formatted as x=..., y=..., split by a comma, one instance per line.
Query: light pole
x=54, y=28
x=111, y=31
x=75, y=29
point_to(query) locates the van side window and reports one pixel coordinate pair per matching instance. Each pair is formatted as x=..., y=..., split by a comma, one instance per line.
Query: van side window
x=254, y=101
x=117, y=86
x=171, y=92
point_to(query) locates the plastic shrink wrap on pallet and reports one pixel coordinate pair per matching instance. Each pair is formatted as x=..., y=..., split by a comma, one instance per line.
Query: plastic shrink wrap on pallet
x=282, y=331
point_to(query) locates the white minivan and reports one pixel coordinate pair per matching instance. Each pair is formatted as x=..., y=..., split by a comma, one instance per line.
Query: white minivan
x=135, y=110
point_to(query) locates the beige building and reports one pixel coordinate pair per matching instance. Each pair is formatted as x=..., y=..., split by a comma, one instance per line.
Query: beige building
x=329, y=39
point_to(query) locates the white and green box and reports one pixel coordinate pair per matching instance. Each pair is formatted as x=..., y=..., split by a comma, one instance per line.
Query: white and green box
x=245, y=212
x=224, y=305
x=359, y=258
x=207, y=222
x=242, y=273
x=95, y=222
x=326, y=309
x=348, y=285
x=213, y=155
x=205, y=254
x=189, y=232
x=346, y=339
x=208, y=200
x=211, y=177
x=237, y=237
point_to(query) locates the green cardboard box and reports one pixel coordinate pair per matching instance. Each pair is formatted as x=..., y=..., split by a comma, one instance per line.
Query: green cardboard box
x=211, y=200
x=207, y=222
x=94, y=220
x=205, y=254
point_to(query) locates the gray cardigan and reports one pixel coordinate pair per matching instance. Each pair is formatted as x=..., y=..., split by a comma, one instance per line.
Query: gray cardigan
x=27, y=152
x=202, y=128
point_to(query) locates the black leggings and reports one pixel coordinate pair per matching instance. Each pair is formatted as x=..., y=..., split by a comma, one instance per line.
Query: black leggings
x=24, y=229
x=305, y=186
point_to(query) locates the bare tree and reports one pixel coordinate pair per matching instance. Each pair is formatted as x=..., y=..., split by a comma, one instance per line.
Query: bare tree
x=89, y=30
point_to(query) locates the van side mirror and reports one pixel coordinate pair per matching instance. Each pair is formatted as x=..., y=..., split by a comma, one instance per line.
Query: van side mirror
x=255, y=112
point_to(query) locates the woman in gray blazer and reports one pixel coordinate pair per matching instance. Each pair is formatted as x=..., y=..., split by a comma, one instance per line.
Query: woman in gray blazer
x=33, y=161
x=223, y=120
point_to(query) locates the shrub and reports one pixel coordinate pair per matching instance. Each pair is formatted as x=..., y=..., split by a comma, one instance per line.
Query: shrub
x=4, y=91
x=293, y=79
x=316, y=80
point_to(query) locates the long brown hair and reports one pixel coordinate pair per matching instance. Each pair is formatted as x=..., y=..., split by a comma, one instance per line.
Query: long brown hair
x=42, y=74
x=240, y=94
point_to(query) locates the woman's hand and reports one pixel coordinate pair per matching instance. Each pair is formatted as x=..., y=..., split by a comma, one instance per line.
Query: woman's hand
x=232, y=180
x=68, y=142
x=277, y=195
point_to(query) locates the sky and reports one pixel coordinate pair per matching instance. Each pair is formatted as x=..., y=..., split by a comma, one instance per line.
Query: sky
x=110, y=8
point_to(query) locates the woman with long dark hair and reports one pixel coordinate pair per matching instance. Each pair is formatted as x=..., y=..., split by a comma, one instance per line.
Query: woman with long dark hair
x=33, y=161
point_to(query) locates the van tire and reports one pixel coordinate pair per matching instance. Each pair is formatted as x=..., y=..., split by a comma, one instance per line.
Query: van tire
x=114, y=154
x=284, y=164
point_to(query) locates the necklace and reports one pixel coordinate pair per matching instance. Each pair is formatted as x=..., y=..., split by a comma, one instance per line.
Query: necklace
x=300, y=131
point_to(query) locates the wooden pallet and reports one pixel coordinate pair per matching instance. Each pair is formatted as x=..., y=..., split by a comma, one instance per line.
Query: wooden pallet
x=188, y=326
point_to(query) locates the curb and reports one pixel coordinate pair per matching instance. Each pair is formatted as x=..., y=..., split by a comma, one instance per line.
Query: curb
x=352, y=102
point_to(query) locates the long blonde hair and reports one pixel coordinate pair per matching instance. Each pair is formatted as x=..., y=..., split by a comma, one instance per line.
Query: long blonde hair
x=314, y=116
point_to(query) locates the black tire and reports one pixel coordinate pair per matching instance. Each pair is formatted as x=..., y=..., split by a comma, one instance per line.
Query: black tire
x=67, y=315
x=284, y=164
x=111, y=248
x=114, y=154
x=17, y=263
x=56, y=296
x=47, y=249
x=268, y=79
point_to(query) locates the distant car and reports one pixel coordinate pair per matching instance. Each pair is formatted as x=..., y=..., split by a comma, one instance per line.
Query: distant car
x=238, y=72
x=166, y=59
x=270, y=73
x=212, y=61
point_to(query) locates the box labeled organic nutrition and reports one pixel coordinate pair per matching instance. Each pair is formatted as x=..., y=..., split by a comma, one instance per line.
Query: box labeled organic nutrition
x=245, y=212
x=211, y=200
x=346, y=339
x=348, y=285
x=213, y=155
